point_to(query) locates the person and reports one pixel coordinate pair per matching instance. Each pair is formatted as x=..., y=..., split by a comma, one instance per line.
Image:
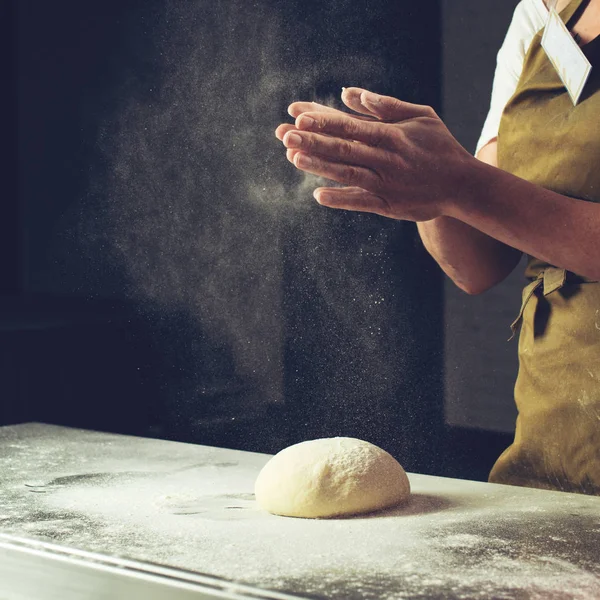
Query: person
x=533, y=188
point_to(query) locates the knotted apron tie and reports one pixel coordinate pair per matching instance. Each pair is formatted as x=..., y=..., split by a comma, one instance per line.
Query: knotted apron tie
x=552, y=278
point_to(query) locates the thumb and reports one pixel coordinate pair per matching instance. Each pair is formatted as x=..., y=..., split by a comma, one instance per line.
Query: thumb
x=392, y=109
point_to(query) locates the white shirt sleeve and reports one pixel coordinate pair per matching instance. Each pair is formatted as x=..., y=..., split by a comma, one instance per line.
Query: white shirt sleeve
x=529, y=17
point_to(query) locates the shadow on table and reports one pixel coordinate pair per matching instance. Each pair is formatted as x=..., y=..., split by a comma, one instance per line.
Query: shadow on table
x=417, y=504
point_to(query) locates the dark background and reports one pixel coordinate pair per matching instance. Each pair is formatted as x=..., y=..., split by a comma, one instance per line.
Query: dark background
x=79, y=346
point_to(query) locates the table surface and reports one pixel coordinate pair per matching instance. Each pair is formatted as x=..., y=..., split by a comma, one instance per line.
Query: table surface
x=192, y=507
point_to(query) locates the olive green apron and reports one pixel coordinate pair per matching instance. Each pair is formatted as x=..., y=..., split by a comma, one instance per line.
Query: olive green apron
x=545, y=139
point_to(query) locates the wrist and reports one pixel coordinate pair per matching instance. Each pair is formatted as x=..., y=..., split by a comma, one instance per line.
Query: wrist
x=472, y=185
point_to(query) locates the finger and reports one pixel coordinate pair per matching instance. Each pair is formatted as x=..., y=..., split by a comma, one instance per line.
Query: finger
x=290, y=154
x=283, y=129
x=392, y=109
x=336, y=149
x=351, y=198
x=297, y=108
x=345, y=126
x=351, y=98
x=352, y=175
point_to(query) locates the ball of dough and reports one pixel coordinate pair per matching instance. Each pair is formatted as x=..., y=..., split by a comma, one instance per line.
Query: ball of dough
x=331, y=477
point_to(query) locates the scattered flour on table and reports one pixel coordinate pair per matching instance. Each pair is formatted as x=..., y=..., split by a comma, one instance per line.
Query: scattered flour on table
x=193, y=507
x=171, y=519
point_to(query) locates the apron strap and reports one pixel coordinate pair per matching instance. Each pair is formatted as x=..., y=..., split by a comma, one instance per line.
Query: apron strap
x=528, y=291
x=552, y=278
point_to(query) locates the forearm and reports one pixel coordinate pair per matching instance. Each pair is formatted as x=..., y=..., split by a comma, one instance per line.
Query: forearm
x=473, y=260
x=557, y=229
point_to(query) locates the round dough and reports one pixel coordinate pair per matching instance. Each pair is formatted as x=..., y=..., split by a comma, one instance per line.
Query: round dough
x=331, y=477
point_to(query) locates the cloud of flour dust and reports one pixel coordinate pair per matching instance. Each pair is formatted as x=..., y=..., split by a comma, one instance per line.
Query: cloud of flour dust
x=208, y=219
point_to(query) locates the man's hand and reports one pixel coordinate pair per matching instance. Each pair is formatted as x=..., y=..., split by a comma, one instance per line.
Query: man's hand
x=397, y=159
